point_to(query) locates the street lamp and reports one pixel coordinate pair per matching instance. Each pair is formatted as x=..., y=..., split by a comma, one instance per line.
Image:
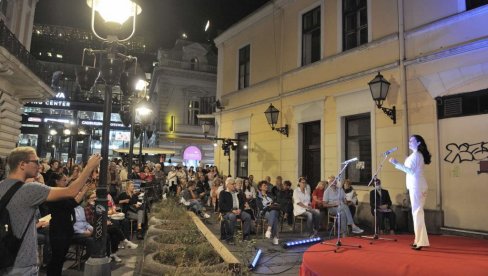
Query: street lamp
x=135, y=103
x=228, y=144
x=111, y=66
x=143, y=130
x=272, y=118
x=379, y=87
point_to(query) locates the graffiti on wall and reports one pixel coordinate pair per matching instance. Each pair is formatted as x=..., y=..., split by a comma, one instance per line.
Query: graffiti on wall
x=465, y=152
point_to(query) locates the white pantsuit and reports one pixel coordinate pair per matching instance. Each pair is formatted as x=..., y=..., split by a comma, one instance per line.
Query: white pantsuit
x=417, y=187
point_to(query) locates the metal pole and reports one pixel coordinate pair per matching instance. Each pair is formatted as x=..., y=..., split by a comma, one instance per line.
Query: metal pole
x=229, y=164
x=99, y=263
x=131, y=142
x=140, y=146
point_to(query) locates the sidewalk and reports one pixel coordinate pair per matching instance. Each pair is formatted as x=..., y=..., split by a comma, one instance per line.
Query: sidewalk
x=125, y=268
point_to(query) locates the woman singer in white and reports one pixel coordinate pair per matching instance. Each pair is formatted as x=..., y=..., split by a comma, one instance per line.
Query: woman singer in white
x=417, y=186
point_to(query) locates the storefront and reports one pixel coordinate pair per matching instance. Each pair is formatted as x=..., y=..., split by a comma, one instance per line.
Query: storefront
x=62, y=129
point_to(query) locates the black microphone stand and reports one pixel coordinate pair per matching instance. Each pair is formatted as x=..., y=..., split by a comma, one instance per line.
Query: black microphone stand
x=338, y=244
x=376, y=236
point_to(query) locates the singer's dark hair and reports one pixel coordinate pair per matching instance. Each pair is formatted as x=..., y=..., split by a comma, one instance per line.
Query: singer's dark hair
x=423, y=149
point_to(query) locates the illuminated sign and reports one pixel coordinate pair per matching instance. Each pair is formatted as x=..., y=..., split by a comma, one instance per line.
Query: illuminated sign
x=100, y=123
x=65, y=121
x=52, y=103
x=34, y=119
x=192, y=153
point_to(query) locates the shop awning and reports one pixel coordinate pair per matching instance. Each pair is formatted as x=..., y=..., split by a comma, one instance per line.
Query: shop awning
x=150, y=151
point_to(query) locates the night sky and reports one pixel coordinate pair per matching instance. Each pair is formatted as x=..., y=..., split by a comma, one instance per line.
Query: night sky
x=161, y=21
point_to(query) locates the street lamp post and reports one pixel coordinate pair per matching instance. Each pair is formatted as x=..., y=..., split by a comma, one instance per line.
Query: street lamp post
x=227, y=143
x=111, y=67
x=134, y=104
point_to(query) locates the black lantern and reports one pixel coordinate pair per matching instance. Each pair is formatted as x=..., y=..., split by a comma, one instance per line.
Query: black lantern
x=86, y=76
x=379, y=87
x=272, y=117
x=206, y=128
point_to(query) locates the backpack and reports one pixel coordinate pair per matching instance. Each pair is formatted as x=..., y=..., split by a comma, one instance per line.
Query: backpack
x=9, y=243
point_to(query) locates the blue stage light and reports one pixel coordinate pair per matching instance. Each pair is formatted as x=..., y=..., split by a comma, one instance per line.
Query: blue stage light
x=301, y=242
x=255, y=260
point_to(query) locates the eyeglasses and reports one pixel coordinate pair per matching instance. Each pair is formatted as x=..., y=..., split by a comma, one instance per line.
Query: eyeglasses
x=38, y=161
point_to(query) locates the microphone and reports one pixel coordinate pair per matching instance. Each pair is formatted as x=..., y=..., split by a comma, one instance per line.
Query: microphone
x=350, y=160
x=390, y=151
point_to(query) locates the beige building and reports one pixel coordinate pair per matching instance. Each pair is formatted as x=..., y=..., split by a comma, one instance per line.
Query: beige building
x=184, y=81
x=313, y=60
x=21, y=76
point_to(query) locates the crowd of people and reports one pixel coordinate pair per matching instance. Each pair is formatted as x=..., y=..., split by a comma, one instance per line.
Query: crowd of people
x=60, y=199
x=242, y=199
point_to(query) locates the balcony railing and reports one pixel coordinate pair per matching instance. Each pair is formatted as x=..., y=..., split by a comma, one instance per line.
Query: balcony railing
x=15, y=47
x=195, y=66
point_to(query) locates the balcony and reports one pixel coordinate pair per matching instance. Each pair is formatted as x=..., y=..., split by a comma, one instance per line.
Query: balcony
x=25, y=74
x=194, y=66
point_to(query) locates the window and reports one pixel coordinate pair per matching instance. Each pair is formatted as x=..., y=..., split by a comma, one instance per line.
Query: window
x=354, y=23
x=465, y=104
x=3, y=7
x=242, y=155
x=194, y=64
x=473, y=4
x=193, y=111
x=244, y=61
x=311, y=36
x=358, y=144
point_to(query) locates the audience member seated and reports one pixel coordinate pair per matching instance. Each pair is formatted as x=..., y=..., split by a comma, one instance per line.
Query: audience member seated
x=83, y=229
x=115, y=234
x=146, y=175
x=190, y=199
x=132, y=207
x=277, y=187
x=42, y=226
x=285, y=200
x=383, y=207
x=318, y=195
x=351, y=197
x=302, y=206
x=134, y=172
x=203, y=189
x=114, y=183
x=239, y=182
x=231, y=206
x=172, y=180
x=269, y=210
x=160, y=180
x=335, y=201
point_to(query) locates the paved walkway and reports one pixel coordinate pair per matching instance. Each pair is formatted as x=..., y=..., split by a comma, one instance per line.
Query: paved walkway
x=130, y=259
x=275, y=259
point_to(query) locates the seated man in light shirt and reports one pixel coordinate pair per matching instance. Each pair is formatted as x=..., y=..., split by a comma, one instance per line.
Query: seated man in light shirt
x=335, y=201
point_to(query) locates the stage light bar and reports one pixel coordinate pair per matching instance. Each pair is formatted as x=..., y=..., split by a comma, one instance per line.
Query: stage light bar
x=301, y=242
x=255, y=260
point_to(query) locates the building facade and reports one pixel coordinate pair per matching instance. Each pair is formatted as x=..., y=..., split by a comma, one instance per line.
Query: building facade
x=185, y=84
x=22, y=77
x=59, y=49
x=313, y=60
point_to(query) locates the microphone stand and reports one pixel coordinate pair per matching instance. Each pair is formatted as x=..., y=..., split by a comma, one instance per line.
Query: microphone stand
x=376, y=235
x=338, y=242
